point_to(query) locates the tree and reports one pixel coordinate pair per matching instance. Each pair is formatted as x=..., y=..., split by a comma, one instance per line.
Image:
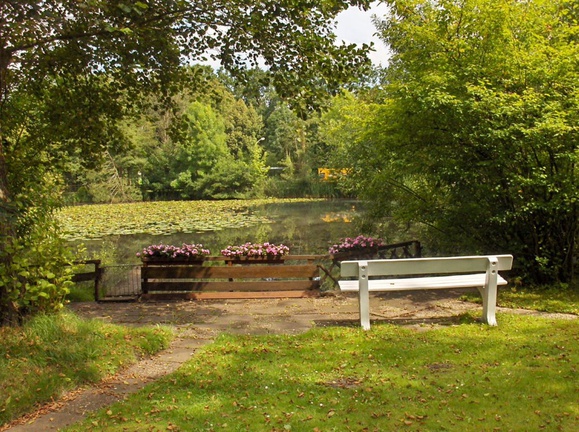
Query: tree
x=342, y=129
x=70, y=70
x=477, y=137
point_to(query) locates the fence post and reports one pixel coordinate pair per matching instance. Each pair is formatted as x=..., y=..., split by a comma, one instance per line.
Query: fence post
x=97, y=279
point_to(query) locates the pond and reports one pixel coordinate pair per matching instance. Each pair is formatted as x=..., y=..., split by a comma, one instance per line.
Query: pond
x=306, y=227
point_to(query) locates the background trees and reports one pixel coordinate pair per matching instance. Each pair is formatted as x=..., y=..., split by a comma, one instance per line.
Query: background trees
x=71, y=70
x=477, y=137
x=474, y=133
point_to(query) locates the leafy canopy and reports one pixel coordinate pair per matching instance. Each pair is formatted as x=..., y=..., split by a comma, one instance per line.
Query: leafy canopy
x=71, y=70
x=476, y=136
x=140, y=43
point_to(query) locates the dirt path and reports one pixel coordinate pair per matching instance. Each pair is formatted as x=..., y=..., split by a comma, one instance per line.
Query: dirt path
x=197, y=323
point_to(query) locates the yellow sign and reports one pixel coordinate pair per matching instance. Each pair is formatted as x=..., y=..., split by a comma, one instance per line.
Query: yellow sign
x=331, y=174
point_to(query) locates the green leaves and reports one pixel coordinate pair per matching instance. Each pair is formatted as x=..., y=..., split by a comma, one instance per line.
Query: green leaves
x=34, y=274
x=71, y=71
x=477, y=137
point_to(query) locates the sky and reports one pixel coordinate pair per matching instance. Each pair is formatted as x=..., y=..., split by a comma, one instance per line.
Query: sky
x=355, y=26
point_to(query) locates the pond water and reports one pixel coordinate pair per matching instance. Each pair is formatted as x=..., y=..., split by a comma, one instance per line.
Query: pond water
x=306, y=227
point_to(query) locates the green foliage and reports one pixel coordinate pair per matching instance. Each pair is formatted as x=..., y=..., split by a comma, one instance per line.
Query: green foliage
x=71, y=72
x=451, y=378
x=343, y=127
x=281, y=126
x=206, y=147
x=301, y=185
x=112, y=182
x=35, y=272
x=476, y=137
x=50, y=354
x=34, y=262
x=81, y=292
x=204, y=144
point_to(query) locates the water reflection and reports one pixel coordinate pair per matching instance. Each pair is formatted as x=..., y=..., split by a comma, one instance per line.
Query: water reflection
x=306, y=227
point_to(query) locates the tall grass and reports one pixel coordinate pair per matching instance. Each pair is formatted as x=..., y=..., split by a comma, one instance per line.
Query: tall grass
x=520, y=376
x=54, y=353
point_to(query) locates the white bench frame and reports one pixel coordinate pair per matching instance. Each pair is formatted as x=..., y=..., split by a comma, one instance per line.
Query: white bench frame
x=430, y=273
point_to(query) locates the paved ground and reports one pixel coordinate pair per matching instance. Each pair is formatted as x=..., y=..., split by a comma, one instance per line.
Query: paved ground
x=197, y=323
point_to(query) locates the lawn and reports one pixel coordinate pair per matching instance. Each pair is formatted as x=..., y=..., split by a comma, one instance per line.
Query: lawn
x=559, y=299
x=521, y=375
x=51, y=354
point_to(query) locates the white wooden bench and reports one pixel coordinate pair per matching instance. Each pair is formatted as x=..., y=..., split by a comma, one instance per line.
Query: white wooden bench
x=426, y=273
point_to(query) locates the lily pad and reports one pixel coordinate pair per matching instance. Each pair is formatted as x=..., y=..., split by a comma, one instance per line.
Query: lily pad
x=160, y=217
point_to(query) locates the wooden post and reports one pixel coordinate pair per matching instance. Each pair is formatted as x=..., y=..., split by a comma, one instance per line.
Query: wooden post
x=97, y=279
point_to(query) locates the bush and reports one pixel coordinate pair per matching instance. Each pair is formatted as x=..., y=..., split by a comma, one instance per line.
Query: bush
x=35, y=273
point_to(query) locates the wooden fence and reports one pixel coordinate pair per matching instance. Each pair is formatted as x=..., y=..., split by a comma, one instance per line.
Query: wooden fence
x=221, y=277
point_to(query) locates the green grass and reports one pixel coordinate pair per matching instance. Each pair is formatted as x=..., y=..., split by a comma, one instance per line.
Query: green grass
x=521, y=375
x=545, y=299
x=81, y=292
x=54, y=353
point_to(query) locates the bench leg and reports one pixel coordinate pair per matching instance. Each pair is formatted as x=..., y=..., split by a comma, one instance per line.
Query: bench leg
x=489, y=297
x=489, y=294
x=364, y=297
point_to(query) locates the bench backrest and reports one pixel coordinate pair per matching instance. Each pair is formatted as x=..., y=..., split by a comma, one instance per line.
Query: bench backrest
x=416, y=266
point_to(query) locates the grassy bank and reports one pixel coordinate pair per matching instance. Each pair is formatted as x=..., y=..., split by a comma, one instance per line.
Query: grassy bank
x=518, y=376
x=54, y=353
x=559, y=299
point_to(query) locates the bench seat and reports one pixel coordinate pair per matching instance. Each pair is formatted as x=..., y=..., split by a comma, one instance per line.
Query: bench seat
x=410, y=284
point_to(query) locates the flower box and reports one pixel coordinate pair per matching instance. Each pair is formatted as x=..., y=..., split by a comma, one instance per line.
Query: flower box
x=172, y=261
x=255, y=260
x=251, y=253
x=186, y=254
x=360, y=247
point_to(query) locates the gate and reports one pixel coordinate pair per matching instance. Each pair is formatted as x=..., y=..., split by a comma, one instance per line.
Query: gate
x=108, y=283
x=120, y=282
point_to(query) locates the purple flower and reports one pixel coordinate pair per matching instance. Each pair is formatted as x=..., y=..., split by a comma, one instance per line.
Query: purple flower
x=255, y=250
x=359, y=243
x=173, y=252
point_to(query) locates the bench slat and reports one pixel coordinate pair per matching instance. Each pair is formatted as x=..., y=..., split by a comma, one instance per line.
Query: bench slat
x=415, y=266
x=407, y=284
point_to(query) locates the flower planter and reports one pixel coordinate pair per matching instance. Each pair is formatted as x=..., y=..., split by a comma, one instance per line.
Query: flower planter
x=245, y=260
x=356, y=254
x=170, y=254
x=172, y=261
x=255, y=253
x=163, y=278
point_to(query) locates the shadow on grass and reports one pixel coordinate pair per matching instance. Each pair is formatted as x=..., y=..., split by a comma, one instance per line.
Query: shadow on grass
x=465, y=318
